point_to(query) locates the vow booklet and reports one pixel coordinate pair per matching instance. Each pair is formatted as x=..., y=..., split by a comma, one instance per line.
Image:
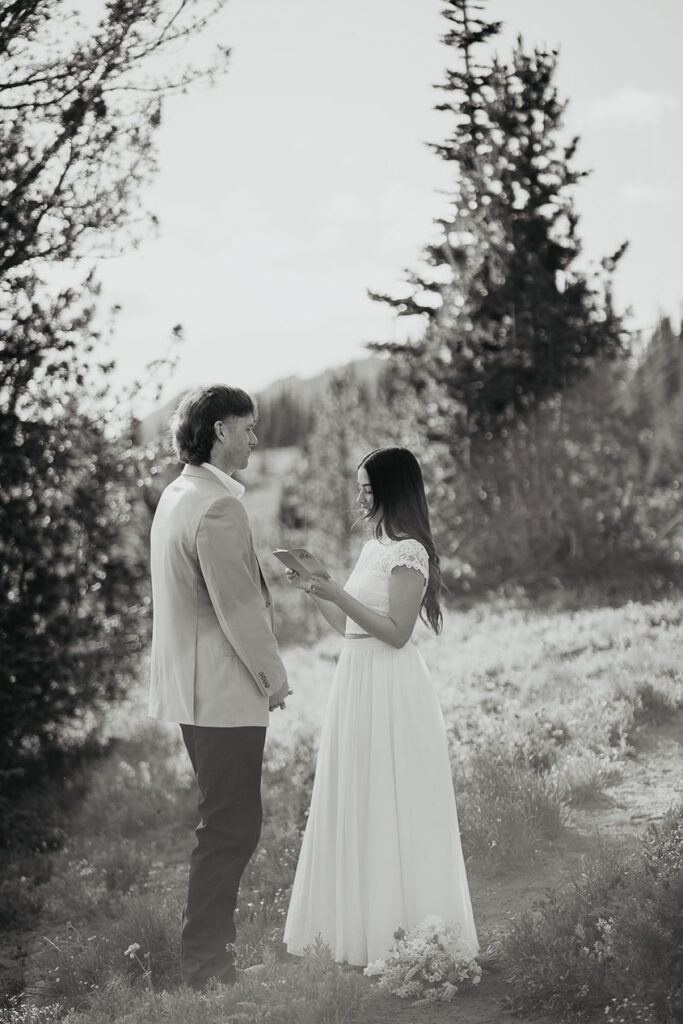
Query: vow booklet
x=302, y=561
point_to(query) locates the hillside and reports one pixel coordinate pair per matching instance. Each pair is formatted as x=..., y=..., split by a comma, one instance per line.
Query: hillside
x=300, y=391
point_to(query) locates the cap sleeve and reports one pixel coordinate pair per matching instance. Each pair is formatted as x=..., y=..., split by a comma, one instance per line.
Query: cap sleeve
x=410, y=553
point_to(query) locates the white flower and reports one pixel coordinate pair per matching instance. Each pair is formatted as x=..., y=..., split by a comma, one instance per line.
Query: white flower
x=132, y=950
x=428, y=962
x=431, y=921
x=373, y=969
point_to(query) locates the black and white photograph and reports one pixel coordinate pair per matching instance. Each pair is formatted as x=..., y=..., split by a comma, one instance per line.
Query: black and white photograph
x=341, y=512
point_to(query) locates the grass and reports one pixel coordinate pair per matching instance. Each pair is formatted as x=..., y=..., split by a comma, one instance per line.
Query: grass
x=543, y=708
x=506, y=812
x=312, y=993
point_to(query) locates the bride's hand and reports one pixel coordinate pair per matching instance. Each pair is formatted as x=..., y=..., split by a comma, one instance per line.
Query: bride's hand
x=294, y=578
x=324, y=589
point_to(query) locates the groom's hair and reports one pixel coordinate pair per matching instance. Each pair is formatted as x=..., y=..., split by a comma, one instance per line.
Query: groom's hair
x=193, y=422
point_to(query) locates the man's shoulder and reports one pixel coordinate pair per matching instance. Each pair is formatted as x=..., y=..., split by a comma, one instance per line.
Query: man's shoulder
x=197, y=497
x=224, y=507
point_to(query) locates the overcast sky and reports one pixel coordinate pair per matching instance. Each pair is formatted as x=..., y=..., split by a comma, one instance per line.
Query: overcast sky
x=302, y=178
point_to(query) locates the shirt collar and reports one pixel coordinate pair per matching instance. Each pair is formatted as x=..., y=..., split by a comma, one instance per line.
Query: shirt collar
x=233, y=486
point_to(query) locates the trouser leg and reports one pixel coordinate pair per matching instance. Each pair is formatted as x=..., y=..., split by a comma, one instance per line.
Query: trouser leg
x=227, y=763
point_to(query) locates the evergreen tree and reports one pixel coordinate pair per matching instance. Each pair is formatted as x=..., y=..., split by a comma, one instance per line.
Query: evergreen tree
x=655, y=403
x=519, y=376
x=511, y=317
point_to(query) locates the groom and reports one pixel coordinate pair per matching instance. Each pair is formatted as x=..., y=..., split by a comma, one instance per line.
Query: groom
x=215, y=668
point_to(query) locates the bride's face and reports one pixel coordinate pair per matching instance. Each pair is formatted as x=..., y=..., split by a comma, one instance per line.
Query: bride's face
x=365, y=499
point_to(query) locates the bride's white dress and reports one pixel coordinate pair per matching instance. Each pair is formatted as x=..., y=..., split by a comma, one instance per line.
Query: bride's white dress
x=382, y=844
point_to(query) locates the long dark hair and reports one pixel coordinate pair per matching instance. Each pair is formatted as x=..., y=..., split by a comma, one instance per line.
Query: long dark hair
x=398, y=490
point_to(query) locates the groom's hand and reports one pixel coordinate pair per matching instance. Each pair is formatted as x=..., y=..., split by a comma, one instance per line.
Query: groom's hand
x=277, y=699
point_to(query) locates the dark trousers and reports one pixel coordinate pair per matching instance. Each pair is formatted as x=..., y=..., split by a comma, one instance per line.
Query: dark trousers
x=227, y=764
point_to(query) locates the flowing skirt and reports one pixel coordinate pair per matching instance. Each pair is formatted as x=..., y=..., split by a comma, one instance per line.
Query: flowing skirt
x=382, y=844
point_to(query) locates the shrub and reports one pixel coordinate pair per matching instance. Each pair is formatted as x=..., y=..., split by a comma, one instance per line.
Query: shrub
x=616, y=935
x=136, y=788
x=121, y=865
x=20, y=902
x=73, y=593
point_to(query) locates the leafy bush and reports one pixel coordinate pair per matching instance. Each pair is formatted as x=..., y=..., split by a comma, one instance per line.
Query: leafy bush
x=73, y=590
x=20, y=900
x=556, y=495
x=138, y=787
x=616, y=935
x=73, y=519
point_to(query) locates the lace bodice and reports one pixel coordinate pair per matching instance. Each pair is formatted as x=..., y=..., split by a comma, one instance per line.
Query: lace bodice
x=369, y=581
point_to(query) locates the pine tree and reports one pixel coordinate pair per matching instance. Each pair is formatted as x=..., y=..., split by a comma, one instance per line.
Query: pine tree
x=655, y=402
x=511, y=318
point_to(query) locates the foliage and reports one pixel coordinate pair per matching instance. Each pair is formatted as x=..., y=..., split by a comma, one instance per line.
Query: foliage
x=558, y=493
x=78, y=112
x=429, y=963
x=512, y=318
x=616, y=935
x=319, y=501
x=313, y=991
x=535, y=700
x=16, y=1014
x=654, y=400
x=516, y=387
x=507, y=810
x=284, y=419
x=74, y=965
x=73, y=596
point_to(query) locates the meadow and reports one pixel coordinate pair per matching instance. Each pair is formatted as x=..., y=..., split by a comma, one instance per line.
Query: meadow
x=565, y=726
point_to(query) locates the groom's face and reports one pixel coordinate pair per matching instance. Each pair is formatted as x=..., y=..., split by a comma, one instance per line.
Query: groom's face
x=237, y=439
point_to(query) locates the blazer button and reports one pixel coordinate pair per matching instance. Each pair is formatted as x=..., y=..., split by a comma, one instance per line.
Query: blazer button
x=267, y=686
x=267, y=604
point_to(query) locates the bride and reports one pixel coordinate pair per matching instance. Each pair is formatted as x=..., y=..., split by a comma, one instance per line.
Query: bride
x=382, y=845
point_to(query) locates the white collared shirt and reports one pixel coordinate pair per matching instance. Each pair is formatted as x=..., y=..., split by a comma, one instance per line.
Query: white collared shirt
x=233, y=486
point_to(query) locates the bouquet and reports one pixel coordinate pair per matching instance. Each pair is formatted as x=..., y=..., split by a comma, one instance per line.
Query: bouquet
x=428, y=963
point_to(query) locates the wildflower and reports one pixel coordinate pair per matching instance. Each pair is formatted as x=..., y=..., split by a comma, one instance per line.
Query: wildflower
x=427, y=963
x=132, y=950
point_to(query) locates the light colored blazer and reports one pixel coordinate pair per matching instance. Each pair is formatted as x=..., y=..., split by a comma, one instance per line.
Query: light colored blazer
x=215, y=658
